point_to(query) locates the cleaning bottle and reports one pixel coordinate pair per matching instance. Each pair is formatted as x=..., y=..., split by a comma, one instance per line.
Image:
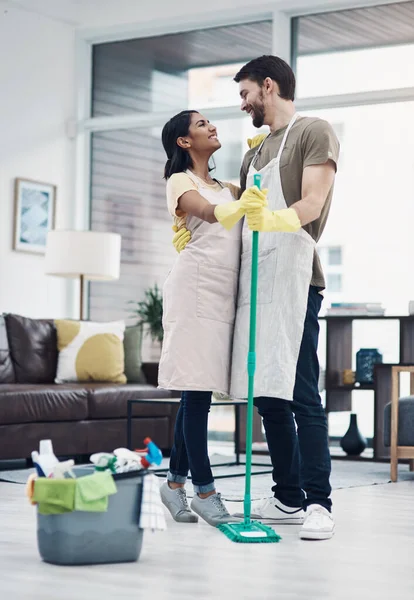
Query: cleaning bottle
x=61, y=468
x=104, y=461
x=154, y=454
x=44, y=460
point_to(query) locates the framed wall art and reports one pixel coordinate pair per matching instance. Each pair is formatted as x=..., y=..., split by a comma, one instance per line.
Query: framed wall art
x=34, y=214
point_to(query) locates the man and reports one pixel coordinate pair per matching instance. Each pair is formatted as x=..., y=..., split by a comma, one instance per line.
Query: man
x=297, y=162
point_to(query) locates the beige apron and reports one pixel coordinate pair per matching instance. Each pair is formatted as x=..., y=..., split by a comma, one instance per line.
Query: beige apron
x=285, y=271
x=199, y=307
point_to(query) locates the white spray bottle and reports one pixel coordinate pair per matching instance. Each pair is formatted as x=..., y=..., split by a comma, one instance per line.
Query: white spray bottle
x=45, y=460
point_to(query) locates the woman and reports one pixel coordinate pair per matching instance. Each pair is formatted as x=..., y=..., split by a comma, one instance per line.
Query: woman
x=199, y=306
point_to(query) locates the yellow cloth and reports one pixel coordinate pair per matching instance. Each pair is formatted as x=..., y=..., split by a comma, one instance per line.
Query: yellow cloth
x=90, y=351
x=230, y=213
x=279, y=220
x=256, y=140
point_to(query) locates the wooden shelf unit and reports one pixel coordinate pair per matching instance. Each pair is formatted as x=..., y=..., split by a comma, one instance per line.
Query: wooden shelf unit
x=339, y=357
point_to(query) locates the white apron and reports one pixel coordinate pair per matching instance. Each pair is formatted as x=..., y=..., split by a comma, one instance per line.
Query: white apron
x=285, y=271
x=199, y=305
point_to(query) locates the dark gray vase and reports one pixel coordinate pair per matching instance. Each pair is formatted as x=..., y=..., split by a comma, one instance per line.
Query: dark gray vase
x=353, y=443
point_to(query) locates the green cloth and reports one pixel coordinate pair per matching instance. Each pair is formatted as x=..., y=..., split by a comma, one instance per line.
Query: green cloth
x=92, y=492
x=54, y=496
x=132, y=352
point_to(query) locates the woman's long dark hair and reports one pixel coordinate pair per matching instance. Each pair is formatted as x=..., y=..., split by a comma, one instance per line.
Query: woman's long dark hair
x=179, y=160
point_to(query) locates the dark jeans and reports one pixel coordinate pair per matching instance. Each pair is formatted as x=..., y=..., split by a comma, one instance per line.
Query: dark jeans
x=301, y=460
x=190, y=450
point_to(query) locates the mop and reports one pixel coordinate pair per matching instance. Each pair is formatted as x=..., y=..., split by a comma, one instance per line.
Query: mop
x=249, y=531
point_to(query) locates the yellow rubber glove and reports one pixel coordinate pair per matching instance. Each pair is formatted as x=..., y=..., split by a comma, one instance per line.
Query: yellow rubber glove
x=279, y=220
x=230, y=213
x=256, y=140
x=181, y=238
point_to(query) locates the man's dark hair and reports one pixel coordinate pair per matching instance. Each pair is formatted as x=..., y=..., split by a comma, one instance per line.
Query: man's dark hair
x=270, y=66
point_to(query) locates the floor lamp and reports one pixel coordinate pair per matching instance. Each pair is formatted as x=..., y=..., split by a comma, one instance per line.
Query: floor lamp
x=86, y=255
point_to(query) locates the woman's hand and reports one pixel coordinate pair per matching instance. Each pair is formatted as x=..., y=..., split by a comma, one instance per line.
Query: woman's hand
x=181, y=238
x=253, y=199
x=230, y=213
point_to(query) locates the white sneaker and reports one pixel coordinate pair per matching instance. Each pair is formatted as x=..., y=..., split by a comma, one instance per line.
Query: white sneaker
x=271, y=509
x=318, y=525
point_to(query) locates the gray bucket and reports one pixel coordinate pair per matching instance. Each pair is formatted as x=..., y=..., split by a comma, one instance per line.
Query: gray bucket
x=84, y=538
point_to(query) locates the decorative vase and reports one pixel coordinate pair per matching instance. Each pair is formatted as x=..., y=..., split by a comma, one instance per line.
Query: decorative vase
x=366, y=358
x=353, y=442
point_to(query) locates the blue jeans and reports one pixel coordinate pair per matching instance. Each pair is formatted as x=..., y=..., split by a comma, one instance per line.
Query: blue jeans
x=300, y=458
x=190, y=451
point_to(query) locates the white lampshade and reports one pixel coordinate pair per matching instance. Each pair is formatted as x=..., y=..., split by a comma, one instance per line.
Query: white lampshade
x=94, y=254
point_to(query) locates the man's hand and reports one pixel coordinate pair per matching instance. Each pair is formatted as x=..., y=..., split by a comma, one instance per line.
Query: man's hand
x=278, y=220
x=181, y=238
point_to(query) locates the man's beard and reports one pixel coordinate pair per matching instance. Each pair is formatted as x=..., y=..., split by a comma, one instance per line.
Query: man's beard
x=259, y=115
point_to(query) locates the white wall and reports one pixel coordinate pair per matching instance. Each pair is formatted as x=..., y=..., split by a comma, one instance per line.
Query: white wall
x=37, y=98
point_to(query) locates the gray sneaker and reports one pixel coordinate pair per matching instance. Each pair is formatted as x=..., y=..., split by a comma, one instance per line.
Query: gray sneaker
x=176, y=502
x=211, y=509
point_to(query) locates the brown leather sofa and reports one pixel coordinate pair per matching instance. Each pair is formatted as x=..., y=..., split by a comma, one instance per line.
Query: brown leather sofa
x=79, y=418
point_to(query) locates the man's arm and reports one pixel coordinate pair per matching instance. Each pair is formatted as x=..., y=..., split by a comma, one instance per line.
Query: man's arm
x=317, y=181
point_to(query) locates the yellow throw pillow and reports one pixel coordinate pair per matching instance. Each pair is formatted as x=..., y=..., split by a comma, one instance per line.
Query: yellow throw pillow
x=90, y=351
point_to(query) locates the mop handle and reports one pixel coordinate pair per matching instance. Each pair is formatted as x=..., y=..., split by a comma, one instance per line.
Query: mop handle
x=251, y=368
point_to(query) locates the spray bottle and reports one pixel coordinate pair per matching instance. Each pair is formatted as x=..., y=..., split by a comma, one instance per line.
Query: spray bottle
x=44, y=460
x=153, y=456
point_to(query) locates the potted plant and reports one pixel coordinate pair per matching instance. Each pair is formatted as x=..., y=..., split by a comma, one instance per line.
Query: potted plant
x=149, y=313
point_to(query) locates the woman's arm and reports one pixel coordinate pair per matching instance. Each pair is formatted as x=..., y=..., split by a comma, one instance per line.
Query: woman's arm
x=193, y=203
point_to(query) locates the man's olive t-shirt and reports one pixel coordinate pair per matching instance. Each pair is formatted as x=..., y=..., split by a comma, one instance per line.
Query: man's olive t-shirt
x=311, y=141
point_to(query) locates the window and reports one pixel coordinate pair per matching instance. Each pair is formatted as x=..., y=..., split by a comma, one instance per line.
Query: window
x=147, y=76
x=335, y=256
x=355, y=50
x=233, y=134
x=376, y=177
x=357, y=70
x=213, y=86
x=176, y=71
x=334, y=283
x=331, y=260
x=364, y=256
x=128, y=197
x=152, y=75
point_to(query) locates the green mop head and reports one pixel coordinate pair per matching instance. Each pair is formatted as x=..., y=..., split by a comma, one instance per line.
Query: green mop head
x=250, y=533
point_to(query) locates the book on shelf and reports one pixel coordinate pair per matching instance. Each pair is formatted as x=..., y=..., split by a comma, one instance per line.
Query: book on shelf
x=372, y=305
x=339, y=309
